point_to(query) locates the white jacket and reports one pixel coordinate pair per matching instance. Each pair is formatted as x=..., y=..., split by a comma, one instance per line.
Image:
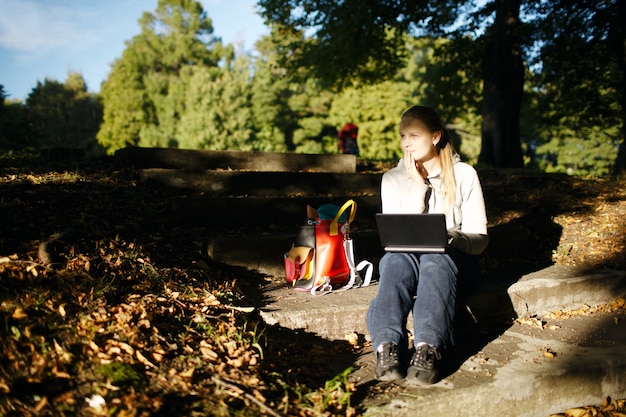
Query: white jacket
x=466, y=222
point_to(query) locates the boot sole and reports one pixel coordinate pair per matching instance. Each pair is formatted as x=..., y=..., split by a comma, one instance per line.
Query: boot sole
x=422, y=377
x=389, y=375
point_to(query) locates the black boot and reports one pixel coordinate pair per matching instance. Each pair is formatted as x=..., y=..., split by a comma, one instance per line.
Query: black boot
x=388, y=362
x=424, y=366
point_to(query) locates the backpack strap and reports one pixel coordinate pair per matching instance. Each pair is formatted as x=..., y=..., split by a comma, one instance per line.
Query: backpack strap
x=334, y=225
x=356, y=280
x=322, y=289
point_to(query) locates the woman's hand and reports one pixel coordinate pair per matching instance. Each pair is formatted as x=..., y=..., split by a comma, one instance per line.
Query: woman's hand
x=414, y=168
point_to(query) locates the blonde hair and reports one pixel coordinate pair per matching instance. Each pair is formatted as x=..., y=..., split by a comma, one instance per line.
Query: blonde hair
x=445, y=150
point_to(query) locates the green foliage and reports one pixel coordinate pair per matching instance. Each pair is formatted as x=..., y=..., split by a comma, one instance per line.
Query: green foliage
x=274, y=120
x=582, y=152
x=449, y=71
x=335, y=394
x=63, y=115
x=144, y=95
x=12, y=124
x=290, y=110
x=309, y=105
x=578, y=46
x=175, y=85
x=376, y=109
x=218, y=114
x=333, y=399
x=121, y=374
x=353, y=40
x=576, y=93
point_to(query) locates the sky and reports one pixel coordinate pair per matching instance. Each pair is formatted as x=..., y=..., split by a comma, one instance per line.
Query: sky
x=42, y=39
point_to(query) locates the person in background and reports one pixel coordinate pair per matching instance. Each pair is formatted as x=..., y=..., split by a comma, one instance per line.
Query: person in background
x=430, y=178
x=347, y=139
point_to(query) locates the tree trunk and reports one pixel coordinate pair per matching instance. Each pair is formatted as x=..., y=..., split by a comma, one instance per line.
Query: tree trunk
x=503, y=77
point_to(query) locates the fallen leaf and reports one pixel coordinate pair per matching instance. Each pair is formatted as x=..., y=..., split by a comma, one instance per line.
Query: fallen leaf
x=353, y=339
x=258, y=396
x=32, y=269
x=531, y=321
x=144, y=360
x=208, y=353
x=126, y=347
x=19, y=314
x=4, y=388
x=243, y=309
x=41, y=404
x=236, y=362
x=60, y=374
x=64, y=355
x=577, y=412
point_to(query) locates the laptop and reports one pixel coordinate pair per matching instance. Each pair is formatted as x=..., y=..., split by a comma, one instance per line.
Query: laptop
x=412, y=232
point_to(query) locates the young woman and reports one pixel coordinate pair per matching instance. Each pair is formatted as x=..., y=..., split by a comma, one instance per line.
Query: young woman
x=430, y=178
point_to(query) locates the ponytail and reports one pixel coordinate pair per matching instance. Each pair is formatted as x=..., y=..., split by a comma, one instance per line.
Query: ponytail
x=447, y=156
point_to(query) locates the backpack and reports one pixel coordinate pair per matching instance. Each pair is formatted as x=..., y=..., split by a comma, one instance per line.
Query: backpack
x=321, y=259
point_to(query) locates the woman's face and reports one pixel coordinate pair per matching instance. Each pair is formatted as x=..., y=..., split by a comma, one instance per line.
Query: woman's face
x=417, y=140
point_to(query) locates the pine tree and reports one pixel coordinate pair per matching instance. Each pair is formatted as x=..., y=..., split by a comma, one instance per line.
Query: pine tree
x=218, y=114
x=144, y=95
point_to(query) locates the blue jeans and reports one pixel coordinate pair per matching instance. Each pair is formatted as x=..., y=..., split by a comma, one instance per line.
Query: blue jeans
x=424, y=284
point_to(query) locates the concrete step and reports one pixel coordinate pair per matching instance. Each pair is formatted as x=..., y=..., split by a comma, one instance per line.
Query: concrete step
x=524, y=371
x=262, y=214
x=200, y=160
x=262, y=251
x=501, y=295
x=337, y=314
x=262, y=184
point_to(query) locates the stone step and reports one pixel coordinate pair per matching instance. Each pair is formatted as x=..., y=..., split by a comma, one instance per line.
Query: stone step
x=262, y=184
x=264, y=214
x=524, y=371
x=337, y=314
x=262, y=251
x=200, y=160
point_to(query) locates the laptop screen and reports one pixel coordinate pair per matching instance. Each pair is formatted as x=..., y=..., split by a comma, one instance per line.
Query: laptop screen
x=412, y=232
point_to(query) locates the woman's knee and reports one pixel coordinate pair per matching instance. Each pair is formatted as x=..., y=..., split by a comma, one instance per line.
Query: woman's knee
x=399, y=268
x=396, y=260
x=439, y=261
